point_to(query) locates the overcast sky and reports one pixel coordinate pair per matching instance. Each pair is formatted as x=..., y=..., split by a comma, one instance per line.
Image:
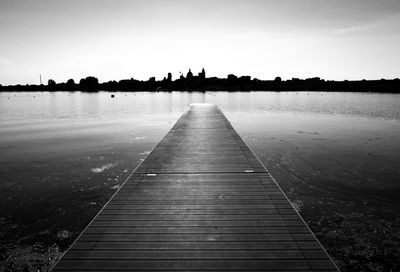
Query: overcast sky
x=340, y=39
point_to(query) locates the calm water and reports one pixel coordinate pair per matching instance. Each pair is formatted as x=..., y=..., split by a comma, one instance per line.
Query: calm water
x=63, y=155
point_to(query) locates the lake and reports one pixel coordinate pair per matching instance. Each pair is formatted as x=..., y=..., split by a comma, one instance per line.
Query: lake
x=335, y=155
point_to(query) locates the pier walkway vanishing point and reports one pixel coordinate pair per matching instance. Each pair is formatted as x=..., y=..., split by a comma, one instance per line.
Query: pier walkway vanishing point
x=200, y=201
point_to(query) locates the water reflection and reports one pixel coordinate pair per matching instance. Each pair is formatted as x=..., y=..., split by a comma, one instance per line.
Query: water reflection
x=321, y=148
x=363, y=126
x=34, y=106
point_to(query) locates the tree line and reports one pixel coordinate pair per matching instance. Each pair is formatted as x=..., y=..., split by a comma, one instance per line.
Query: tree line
x=202, y=83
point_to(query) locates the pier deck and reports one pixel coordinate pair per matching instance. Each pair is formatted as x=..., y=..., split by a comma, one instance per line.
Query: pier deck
x=201, y=200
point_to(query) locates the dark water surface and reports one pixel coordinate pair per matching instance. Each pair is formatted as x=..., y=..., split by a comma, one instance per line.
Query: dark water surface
x=336, y=156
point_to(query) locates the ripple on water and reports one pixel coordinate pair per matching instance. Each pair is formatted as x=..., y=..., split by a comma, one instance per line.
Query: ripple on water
x=103, y=168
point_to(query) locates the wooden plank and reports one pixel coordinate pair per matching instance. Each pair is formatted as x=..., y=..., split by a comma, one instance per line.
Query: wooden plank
x=190, y=245
x=131, y=237
x=191, y=255
x=195, y=229
x=200, y=201
x=184, y=265
x=195, y=217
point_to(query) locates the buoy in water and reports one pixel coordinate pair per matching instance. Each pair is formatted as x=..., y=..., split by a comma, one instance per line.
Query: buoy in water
x=112, y=96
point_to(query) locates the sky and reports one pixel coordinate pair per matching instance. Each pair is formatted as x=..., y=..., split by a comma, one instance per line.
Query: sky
x=120, y=39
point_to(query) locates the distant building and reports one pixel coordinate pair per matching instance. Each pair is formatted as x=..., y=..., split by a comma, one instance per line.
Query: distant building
x=189, y=74
x=152, y=79
x=169, y=77
x=202, y=74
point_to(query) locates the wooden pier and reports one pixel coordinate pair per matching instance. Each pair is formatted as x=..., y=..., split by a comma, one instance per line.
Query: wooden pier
x=200, y=201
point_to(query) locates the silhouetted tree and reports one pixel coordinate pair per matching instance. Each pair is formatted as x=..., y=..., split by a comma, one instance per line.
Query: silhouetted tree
x=89, y=84
x=278, y=79
x=70, y=82
x=232, y=77
x=69, y=85
x=51, y=83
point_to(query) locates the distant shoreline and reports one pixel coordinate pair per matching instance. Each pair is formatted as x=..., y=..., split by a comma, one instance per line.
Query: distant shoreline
x=195, y=90
x=203, y=84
